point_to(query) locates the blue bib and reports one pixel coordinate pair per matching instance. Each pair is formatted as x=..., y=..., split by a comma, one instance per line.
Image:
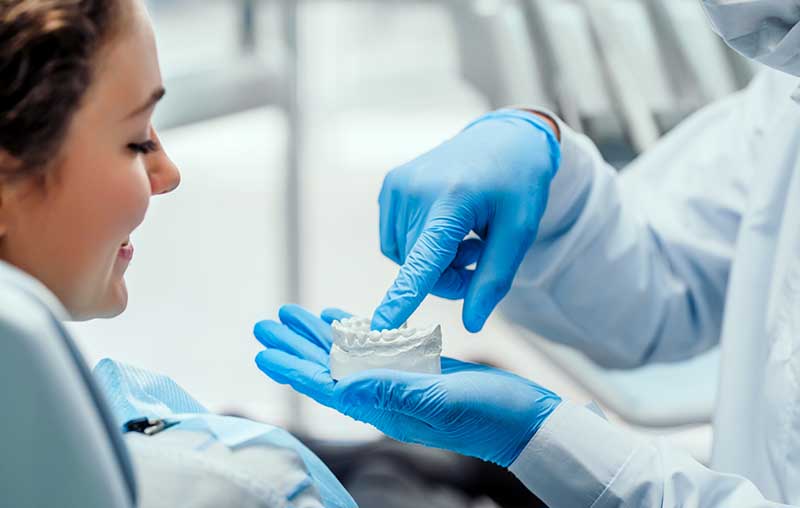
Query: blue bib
x=135, y=394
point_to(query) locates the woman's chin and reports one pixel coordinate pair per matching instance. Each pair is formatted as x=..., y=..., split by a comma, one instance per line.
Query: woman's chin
x=115, y=302
x=119, y=299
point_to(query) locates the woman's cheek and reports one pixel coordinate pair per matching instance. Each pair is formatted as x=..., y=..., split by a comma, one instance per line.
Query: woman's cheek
x=133, y=200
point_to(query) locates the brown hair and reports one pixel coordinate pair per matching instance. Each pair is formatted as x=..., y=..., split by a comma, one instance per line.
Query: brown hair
x=47, y=52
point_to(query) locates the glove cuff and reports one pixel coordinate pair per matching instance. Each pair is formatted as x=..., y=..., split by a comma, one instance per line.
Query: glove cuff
x=536, y=121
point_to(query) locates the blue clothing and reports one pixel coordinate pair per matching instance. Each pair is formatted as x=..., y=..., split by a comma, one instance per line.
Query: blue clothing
x=134, y=393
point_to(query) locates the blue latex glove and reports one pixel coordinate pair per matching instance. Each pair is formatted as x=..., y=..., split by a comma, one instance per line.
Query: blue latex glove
x=470, y=409
x=492, y=179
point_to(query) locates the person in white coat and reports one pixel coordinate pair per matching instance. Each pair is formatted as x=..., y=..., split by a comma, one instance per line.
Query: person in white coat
x=697, y=243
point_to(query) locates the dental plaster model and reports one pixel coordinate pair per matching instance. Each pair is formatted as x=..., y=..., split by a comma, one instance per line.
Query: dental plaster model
x=357, y=348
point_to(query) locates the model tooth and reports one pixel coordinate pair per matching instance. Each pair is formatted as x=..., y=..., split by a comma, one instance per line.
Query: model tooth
x=338, y=334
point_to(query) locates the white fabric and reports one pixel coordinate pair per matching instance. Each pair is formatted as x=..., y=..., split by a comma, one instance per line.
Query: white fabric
x=639, y=268
x=579, y=459
x=192, y=469
x=767, y=31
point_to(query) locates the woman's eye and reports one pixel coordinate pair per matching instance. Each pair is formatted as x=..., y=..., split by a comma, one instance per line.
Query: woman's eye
x=144, y=148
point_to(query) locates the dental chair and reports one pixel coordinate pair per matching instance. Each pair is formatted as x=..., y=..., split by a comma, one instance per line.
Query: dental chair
x=57, y=442
x=495, y=52
x=561, y=36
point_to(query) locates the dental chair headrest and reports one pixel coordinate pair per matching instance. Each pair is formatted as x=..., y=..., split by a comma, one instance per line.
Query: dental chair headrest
x=57, y=442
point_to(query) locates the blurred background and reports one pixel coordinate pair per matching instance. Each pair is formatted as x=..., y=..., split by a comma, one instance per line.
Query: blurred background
x=284, y=115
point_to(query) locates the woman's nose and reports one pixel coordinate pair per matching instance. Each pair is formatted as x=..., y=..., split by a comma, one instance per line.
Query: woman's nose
x=164, y=174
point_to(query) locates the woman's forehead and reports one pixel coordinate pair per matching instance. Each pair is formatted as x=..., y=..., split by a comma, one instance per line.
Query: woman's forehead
x=127, y=70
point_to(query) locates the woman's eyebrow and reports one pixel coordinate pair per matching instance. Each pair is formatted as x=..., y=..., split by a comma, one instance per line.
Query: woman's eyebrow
x=154, y=98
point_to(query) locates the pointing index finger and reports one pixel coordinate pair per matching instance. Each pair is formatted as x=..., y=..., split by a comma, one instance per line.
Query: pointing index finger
x=430, y=256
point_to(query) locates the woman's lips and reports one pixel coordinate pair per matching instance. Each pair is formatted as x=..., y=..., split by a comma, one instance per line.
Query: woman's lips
x=126, y=251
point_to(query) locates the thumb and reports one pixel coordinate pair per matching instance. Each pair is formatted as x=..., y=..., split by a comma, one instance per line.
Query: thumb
x=331, y=314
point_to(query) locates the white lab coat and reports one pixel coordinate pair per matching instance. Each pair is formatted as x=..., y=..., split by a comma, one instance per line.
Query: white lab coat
x=698, y=241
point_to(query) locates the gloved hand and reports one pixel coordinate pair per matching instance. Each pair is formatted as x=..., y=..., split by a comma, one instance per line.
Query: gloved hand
x=470, y=409
x=492, y=179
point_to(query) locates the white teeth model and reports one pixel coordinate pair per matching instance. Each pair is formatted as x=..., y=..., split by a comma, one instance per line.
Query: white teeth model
x=357, y=348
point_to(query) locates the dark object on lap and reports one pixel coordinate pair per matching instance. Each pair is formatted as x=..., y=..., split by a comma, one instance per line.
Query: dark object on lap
x=389, y=474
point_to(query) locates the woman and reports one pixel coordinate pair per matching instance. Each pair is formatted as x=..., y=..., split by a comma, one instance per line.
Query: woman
x=79, y=162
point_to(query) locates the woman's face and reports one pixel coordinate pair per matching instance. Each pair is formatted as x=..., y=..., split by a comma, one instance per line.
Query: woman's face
x=72, y=230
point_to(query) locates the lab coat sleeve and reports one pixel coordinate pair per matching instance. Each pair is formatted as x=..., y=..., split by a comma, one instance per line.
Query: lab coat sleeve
x=633, y=268
x=577, y=459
